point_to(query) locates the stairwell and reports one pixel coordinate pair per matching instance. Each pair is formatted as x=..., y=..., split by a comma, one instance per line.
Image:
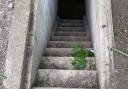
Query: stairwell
x=59, y=73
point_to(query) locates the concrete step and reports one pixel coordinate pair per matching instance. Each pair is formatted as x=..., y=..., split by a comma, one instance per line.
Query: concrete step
x=66, y=63
x=70, y=24
x=70, y=21
x=67, y=78
x=77, y=29
x=68, y=44
x=69, y=38
x=67, y=33
x=60, y=52
x=59, y=88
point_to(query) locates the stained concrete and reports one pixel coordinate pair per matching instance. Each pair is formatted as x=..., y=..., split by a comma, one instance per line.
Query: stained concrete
x=14, y=65
x=61, y=52
x=44, y=19
x=100, y=22
x=70, y=38
x=66, y=63
x=67, y=78
x=69, y=44
x=66, y=33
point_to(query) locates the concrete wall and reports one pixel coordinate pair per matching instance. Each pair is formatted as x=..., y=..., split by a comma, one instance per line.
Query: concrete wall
x=14, y=65
x=100, y=22
x=45, y=15
x=32, y=23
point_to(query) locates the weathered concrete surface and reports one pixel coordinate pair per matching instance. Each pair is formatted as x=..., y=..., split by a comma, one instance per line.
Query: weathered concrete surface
x=79, y=29
x=68, y=44
x=70, y=38
x=6, y=11
x=44, y=19
x=66, y=63
x=100, y=21
x=60, y=52
x=120, y=79
x=17, y=42
x=70, y=24
x=67, y=78
x=66, y=33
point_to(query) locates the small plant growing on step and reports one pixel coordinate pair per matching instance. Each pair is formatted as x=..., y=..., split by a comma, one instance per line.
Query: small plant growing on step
x=43, y=66
x=2, y=76
x=80, y=55
x=93, y=65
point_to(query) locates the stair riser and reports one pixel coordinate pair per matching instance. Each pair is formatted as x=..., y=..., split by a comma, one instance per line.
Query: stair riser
x=59, y=44
x=69, y=38
x=70, y=25
x=71, y=21
x=68, y=79
x=77, y=29
x=66, y=63
x=67, y=33
x=59, y=52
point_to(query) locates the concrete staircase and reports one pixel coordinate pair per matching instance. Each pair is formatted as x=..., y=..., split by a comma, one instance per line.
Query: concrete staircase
x=58, y=72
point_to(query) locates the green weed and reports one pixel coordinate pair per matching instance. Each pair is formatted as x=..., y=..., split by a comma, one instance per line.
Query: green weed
x=80, y=55
x=2, y=76
x=43, y=66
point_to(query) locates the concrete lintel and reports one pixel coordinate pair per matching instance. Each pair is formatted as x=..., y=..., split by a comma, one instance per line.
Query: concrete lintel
x=16, y=46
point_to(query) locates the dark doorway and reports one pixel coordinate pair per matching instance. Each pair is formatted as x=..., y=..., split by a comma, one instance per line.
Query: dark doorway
x=71, y=9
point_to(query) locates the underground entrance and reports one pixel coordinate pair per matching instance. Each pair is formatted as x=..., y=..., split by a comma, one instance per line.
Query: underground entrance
x=71, y=9
x=47, y=19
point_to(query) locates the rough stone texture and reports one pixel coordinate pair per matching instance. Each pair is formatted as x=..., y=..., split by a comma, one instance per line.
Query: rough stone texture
x=6, y=10
x=120, y=79
x=5, y=24
x=59, y=52
x=65, y=63
x=67, y=78
x=17, y=43
x=69, y=44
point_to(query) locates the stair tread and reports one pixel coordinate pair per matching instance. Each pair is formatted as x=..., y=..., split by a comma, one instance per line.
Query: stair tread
x=60, y=52
x=67, y=33
x=69, y=38
x=70, y=24
x=68, y=44
x=72, y=21
x=81, y=29
x=66, y=63
x=67, y=78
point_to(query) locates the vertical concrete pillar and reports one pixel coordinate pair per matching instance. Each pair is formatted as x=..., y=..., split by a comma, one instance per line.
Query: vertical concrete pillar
x=100, y=20
x=17, y=42
x=105, y=27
